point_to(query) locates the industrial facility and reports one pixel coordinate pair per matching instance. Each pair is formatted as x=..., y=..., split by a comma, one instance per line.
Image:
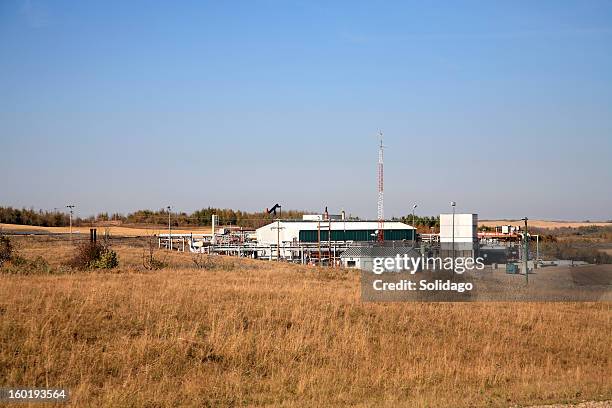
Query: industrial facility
x=334, y=240
x=324, y=235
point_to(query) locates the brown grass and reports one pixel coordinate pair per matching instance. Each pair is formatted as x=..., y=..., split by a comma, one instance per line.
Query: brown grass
x=261, y=333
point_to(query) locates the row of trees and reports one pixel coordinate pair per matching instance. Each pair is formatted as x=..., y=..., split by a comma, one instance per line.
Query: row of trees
x=202, y=217
x=9, y=215
x=423, y=224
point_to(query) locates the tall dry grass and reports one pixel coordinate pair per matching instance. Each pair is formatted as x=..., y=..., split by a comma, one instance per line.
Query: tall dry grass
x=260, y=333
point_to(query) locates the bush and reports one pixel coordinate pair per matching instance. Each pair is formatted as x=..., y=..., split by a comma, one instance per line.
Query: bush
x=149, y=260
x=153, y=264
x=108, y=260
x=6, y=249
x=19, y=265
x=85, y=253
x=94, y=255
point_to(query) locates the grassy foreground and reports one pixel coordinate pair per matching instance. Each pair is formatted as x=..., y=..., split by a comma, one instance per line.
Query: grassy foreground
x=258, y=333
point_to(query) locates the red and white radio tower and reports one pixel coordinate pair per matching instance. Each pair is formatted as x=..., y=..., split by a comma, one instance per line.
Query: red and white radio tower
x=381, y=194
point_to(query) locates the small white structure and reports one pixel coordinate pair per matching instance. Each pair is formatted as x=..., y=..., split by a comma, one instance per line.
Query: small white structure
x=464, y=240
x=321, y=217
x=507, y=229
x=362, y=257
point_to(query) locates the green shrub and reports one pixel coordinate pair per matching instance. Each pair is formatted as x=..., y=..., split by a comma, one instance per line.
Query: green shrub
x=107, y=260
x=18, y=265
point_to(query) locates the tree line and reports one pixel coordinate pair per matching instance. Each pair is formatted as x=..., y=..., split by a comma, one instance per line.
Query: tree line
x=201, y=217
x=24, y=216
x=424, y=223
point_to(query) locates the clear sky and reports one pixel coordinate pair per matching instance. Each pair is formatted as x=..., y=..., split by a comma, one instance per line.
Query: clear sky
x=504, y=107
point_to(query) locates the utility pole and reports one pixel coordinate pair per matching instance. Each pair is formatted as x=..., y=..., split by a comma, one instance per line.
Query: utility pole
x=453, y=204
x=71, y=207
x=319, y=240
x=526, y=238
x=169, y=230
x=214, y=221
x=536, y=264
x=414, y=230
x=329, y=242
x=277, y=228
x=344, y=221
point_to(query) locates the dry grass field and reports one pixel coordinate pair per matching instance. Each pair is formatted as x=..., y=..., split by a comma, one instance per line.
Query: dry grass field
x=245, y=332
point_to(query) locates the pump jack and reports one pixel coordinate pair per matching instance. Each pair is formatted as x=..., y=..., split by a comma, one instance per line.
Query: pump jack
x=273, y=209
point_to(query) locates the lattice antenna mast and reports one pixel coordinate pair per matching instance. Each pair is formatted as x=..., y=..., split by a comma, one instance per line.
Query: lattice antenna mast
x=381, y=189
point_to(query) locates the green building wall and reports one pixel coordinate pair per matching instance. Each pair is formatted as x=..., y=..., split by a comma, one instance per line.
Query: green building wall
x=355, y=235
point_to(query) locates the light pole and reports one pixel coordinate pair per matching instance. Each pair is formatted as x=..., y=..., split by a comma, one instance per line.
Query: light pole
x=71, y=207
x=526, y=238
x=344, y=228
x=414, y=230
x=278, y=249
x=169, y=230
x=537, y=251
x=453, y=204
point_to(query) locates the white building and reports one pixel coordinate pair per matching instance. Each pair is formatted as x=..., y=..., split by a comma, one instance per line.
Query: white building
x=295, y=233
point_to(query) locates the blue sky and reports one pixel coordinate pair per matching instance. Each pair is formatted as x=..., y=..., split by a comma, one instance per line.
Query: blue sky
x=504, y=107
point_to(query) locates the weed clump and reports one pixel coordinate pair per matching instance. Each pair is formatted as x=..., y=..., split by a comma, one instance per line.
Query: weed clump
x=6, y=249
x=210, y=262
x=14, y=264
x=19, y=265
x=92, y=255
x=149, y=259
